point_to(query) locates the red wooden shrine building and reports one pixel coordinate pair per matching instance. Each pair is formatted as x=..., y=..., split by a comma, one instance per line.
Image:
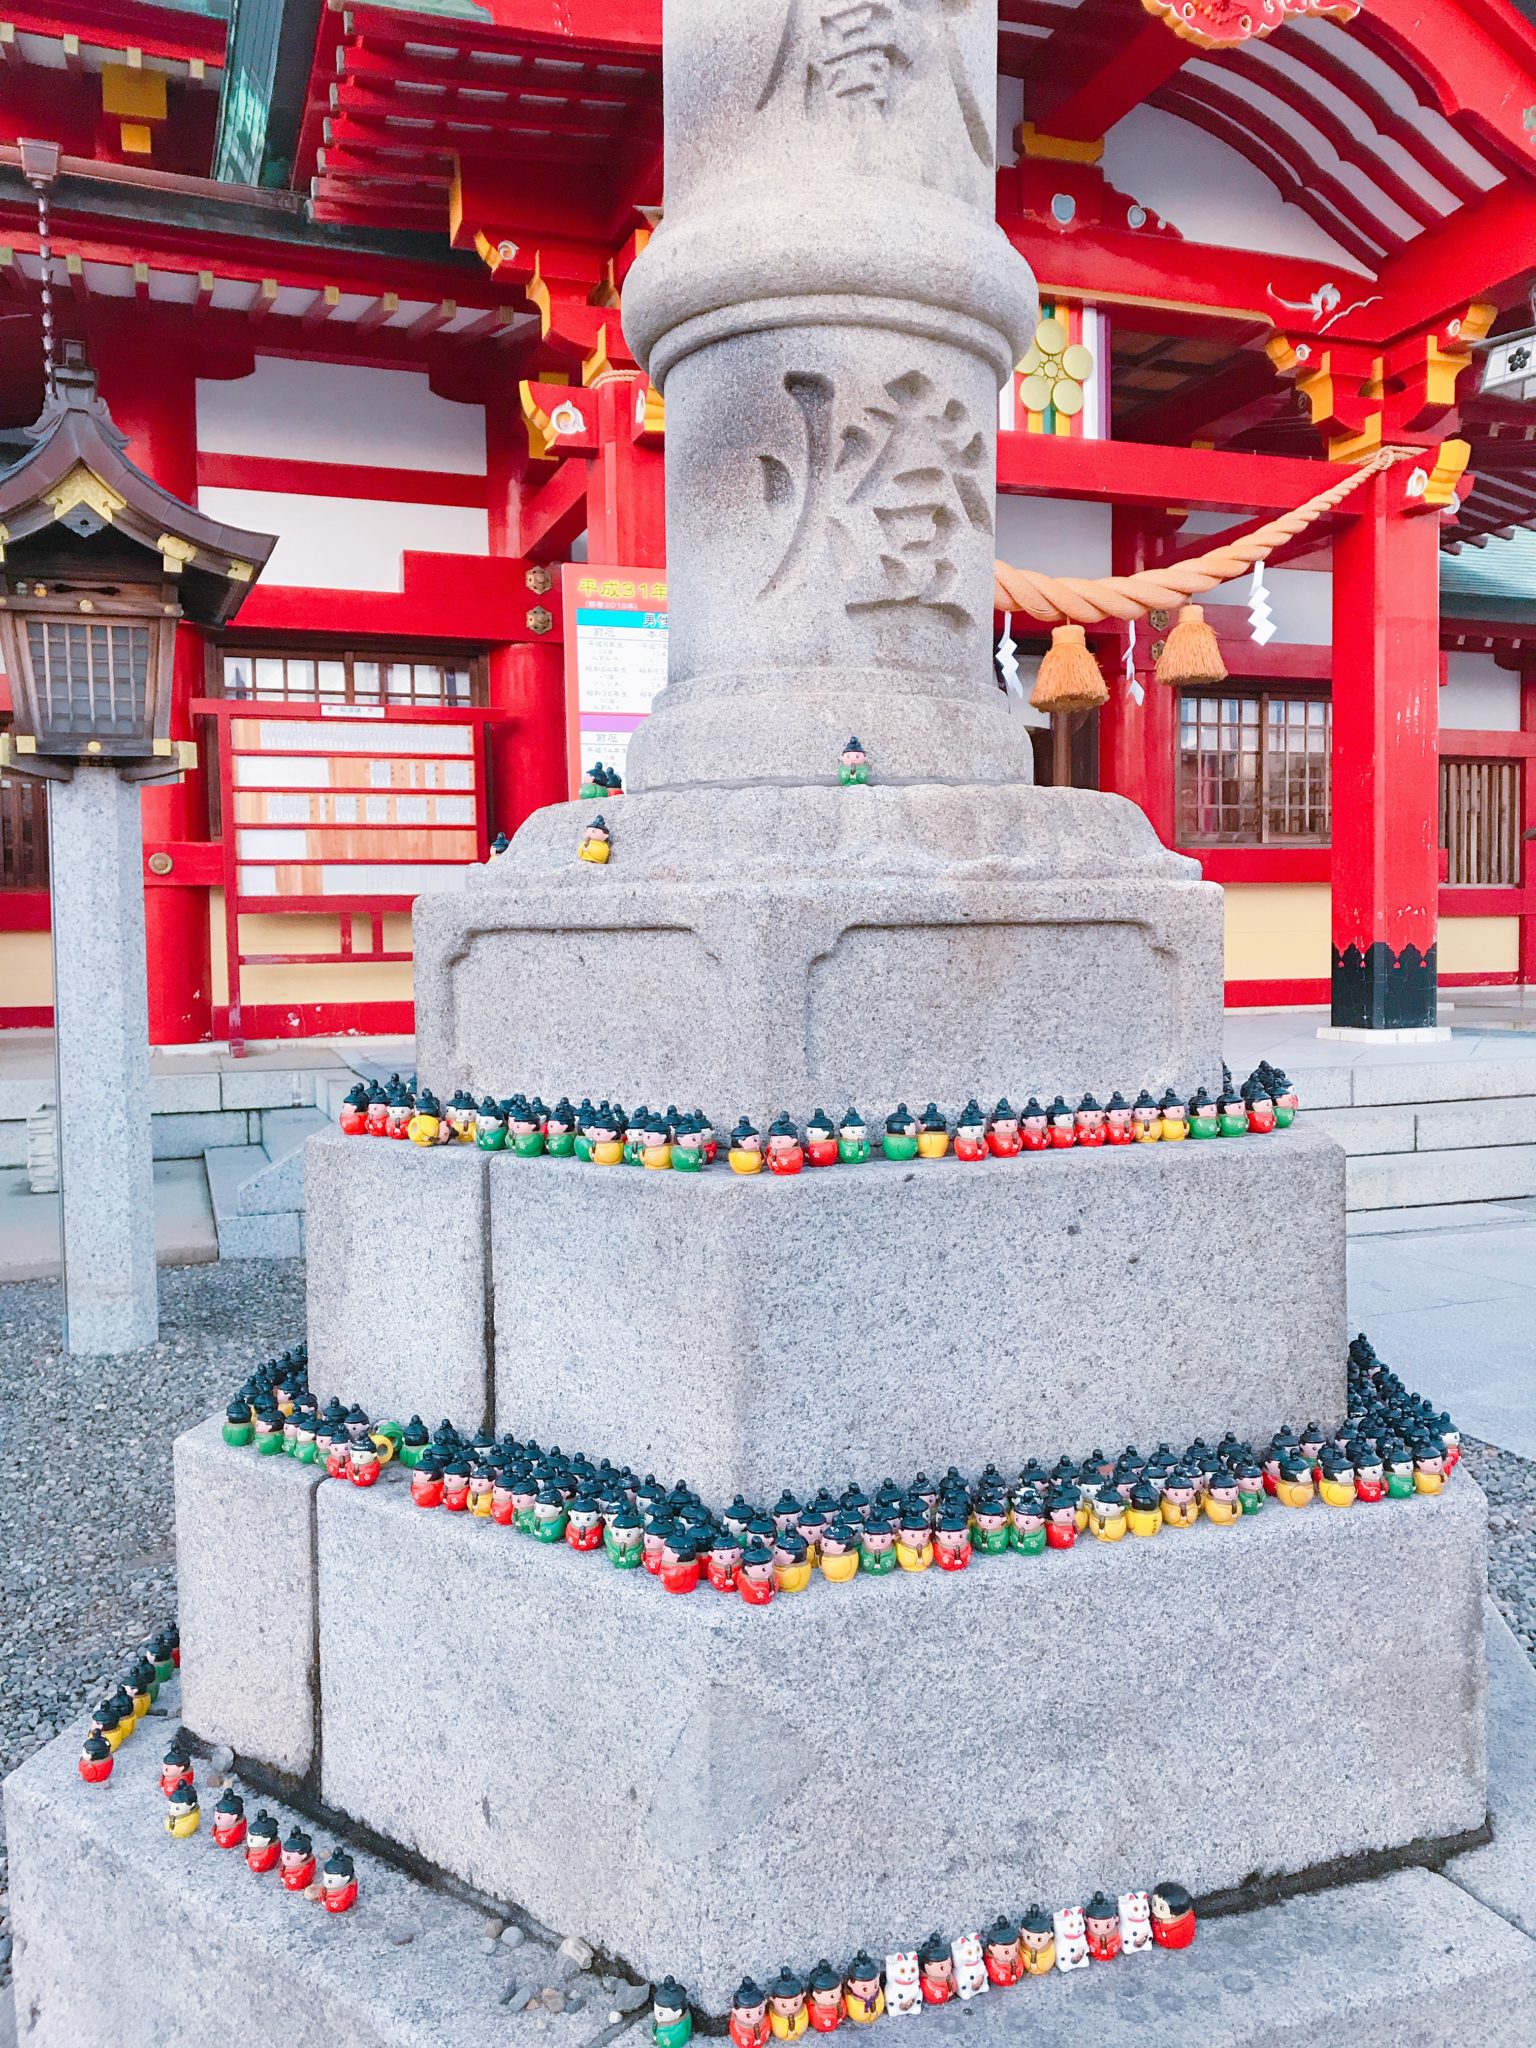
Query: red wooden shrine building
x=352, y=274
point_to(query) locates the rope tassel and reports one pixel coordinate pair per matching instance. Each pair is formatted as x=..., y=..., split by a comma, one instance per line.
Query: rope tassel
x=1069, y=679
x=1191, y=653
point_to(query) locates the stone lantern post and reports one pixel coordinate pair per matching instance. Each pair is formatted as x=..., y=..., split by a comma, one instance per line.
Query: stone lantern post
x=97, y=565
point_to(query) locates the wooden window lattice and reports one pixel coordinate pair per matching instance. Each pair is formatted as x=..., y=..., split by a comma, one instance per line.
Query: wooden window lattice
x=1480, y=823
x=1253, y=769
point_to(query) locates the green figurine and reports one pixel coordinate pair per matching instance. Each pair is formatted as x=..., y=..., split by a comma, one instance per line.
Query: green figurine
x=688, y=1145
x=269, y=1429
x=1026, y=1523
x=853, y=1139
x=238, y=1426
x=1232, y=1114
x=413, y=1442
x=490, y=1126
x=594, y=783
x=900, y=1140
x=549, y=1516
x=877, y=1546
x=671, y=2021
x=1398, y=1460
x=1204, y=1117
x=989, y=1525
x=623, y=1538
x=853, y=767
x=560, y=1130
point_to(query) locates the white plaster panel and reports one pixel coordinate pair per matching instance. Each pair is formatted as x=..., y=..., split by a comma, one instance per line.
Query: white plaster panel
x=304, y=411
x=1058, y=536
x=347, y=543
x=1300, y=603
x=1479, y=696
x=1208, y=191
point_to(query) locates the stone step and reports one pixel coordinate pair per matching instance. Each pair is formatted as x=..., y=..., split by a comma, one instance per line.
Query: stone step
x=243, y=1233
x=1430, y=1126
x=280, y=1185
x=1407, y=1180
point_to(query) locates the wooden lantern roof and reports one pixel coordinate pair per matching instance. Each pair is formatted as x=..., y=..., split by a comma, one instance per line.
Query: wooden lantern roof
x=75, y=502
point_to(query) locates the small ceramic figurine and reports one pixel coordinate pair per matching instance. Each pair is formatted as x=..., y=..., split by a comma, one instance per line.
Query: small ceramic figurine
x=1260, y=1109
x=96, y=1758
x=1003, y=1140
x=262, y=1844
x=1335, y=1478
x=1037, y=1942
x=1398, y=1460
x=787, y=2018
x=792, y=1562
x=838, y=1552
x=1146, y=1120
x=338, y=1883
x=1231, y=1114
x=1061, y=1506
x=426, y=1124
x=671, y=2021
x=952, y=1541
x=1062, y=1124
x=903, y=1984
x=229, y=1824
x=1181, y=1499
x=970, y=1968
x=936, y=1969
x=1204, y=1117
x=175, y=1769
x=785, y=1154
x=560, y=1130
x=853, y=765
x=596, y=842
x=1107, y=1515
x=1135, y=1923
x=184, y=1816
x=746, y=1153
x=1026, y=1523
x=1144, y=1508
x=748, y=2024
x=877, y=1546
x=1284, y=1098
x=754, y=1581
x=1089, y=1119
x=593, y=783
x=914, y=1546
x=239, y=1428
x=1071, y=1938
x=1101, y=1927
x=1173, y=1916
x=932, y=1133
x=824, y=2002
x=1174, y=1122
x=1034, y=1128
x=1250, y=1485
x=296, y=1865
x=989, y=1525
x=1001, y=1954
x=1428, y=1465
x=899, y=1138
x=1223, y=1500
x=821, y=1140
x=1119, y=1126
x=971, y=1132
x=354, y=1110
x=398, y=1111
x=853, y=1139
x=377, y=1118
x=863, y=1995
x=1294, y=1487
x=1370, y=1475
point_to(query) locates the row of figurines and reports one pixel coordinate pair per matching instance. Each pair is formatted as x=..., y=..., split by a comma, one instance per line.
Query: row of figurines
x=1391, y=1446
x=333, y=1883
x=121, y=1712
x=821, y=2000
x=604, y=1135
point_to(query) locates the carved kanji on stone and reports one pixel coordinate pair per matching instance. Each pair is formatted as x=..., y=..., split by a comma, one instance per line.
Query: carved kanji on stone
x=854, y=56
x=890, y=486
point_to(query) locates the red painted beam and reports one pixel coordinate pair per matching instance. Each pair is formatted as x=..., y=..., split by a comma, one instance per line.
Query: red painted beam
x=552, y=515
x=1481, y=253
x=1135, y=70
x=1134, y=473
x=568, y=28
x=1476, y=59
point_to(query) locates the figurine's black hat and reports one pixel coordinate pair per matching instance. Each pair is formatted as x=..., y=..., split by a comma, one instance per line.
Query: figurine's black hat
x=1036, y=1921
x=238, y=1411
x=852, y=1118
x=971, y=1114
x=1058, y=1108
x=854, y=746
x=230, y=1802
x=1089, y=1103
x=1144, y=1101
x=749, y=1992
x=1004, y=1108
x=825, y=1978
x=338, y=1864
x=933, y=1118
x=1171, y=1100
x=1173, y=1896
x=1117, y=1101
x=1101, y=1908
x=599, y=824
x=263, y=1828
x=819, y=1122
x=671, y=1996
x=863, y=1969
x=1001, y=1932
x=298, y=1843
x=786, y=1985
x=934, y=1950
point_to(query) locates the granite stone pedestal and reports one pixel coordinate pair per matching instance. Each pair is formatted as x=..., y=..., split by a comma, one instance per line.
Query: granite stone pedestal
x=101, y=1017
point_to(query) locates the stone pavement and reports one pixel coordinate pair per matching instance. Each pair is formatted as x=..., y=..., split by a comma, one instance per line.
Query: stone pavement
x=184, y=1229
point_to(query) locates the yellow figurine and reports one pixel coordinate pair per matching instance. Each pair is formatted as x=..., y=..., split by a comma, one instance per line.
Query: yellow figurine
x=932, y=1143
x=1181, y=1500
x=791, y=1562
x=1428, y=1466
x=863, y=1993
x=1293, y=1484
x=839, y=1553
x=746, y=1153
x=596, y=842
x=1336, y=1481
x=1144, y=1509
x=185, y=1815
x=1223, y=1503
x=1107, y=1515
x=1174, y=1121
x=914, y=1549
x=1037, y=1942
x=1146, y=1120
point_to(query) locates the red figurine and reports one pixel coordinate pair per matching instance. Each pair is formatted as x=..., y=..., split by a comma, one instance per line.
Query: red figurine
x=1003, y=1139
x=971, y=1132
x=824, y=2006
x=427, y=1482
x=1119, y=1126
x=1034, y=1128
x=262, y=1844
x=952, y=1542
x=1061, y=1518
x=296, y=1865
x=784, y=1150
x=1062, y=1125
x=1001, y=1952
x=338, y=1883
x=679, y=1561
x=584, y=1525
x=1173, y=1916
x=456, y=1486
x=936, y=1968
x=748, y=2026
x=363, y=1463
x=354, y=1111
x=1101, y=1924
x=229, y=1828
x=754, y=1581
x=723, y=1562
x=96, y=1759
x=1089, y=1118
x=175, y=1769
x=821, y=1140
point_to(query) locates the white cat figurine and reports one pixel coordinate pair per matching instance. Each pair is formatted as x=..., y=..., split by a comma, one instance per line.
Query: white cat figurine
x=903, y=1993
x=1135, y=1922
x=1071, y=1939
x=970, y=1969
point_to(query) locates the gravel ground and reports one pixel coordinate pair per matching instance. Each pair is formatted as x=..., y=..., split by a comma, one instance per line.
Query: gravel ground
x=85, y=1513
x=1510, y=1484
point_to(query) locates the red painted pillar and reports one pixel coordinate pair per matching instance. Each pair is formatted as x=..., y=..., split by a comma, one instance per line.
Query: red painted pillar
x=1136, y=741
x=1386, y=782
x=1528, y=827
x=626, y=518
x=150, y=389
